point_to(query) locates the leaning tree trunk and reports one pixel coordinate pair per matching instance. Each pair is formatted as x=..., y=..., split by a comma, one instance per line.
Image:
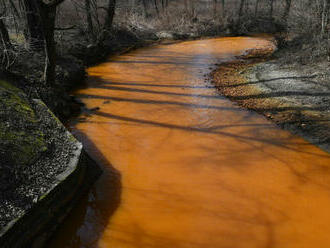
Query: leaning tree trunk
x=110, y=14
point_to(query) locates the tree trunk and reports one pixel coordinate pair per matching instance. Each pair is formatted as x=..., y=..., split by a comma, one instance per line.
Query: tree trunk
x=110, y=14
x=192, y=7
x=325, y=16
x=163, y=5
x=271, y=11
x=4, y=35
x=48, y=15
x=34, y=34
x=145, y=8
x=256, y=8
x=90, y=28
x=156, y=7
x=13, y=6
x=215, y=3
x=186, y=5
x=240, y=11
x=287, y=10
x=223, y=10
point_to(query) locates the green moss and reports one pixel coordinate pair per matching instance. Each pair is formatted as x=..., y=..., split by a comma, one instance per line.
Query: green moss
x=8, y=86
x=21, y=140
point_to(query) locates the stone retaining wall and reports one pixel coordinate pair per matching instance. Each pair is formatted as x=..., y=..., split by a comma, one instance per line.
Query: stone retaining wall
x=36, y=225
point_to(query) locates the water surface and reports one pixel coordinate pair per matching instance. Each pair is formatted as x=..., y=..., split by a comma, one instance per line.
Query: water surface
x=187, y=168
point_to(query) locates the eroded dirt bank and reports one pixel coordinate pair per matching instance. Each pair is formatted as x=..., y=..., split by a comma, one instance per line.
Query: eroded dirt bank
x=294, y=96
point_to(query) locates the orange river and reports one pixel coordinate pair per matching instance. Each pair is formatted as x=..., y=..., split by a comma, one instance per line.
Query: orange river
x=185, y=167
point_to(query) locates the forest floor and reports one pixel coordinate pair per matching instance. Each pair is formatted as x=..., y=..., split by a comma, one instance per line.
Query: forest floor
x=294, y=95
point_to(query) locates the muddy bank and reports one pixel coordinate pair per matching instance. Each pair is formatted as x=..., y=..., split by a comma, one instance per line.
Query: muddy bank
x=296, y=97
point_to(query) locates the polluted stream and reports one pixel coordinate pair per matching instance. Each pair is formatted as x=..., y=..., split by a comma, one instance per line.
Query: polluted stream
x=185, y=167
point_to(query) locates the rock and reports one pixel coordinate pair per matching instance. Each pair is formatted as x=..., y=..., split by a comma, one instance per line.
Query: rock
x=21, y=140
x=165, y=35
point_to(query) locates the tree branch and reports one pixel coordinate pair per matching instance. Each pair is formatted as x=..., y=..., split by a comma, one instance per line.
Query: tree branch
x=65, y=28
x=53, y=4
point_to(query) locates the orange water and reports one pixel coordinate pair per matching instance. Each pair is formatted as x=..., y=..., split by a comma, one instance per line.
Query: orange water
x=185, y=167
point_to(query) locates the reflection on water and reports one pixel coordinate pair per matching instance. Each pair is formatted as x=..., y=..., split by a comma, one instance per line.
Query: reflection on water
x=190, y=168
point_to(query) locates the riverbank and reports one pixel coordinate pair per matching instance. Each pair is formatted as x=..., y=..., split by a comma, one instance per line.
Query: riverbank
x=293, y=95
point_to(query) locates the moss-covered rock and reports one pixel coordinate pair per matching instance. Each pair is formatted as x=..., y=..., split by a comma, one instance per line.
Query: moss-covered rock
x=21, y=140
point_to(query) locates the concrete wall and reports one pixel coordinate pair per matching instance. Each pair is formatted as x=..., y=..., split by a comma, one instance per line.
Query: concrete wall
x=37, y=224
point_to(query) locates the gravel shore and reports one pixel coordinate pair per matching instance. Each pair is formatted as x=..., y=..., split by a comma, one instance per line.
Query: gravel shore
x=296, y=97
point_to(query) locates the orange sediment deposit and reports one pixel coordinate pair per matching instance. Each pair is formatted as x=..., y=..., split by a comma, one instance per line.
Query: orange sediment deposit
x=185, y=167
x=232, y=80
x=230, y=77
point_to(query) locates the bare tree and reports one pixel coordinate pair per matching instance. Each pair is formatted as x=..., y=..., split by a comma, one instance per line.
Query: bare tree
x=47, y=13
x=271, y=9
x=240, y=11
x=287, y=10
x=88, y=11
x=5, y=40
x=215, y=7
x=33, y=35
x=325, y=16
x=185, y=5
x=145, y=8
x=256, y=8
x=223, y=10
x=110, y=14
x=156, y=7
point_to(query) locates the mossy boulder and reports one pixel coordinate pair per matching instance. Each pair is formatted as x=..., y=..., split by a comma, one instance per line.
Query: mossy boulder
x=21, y=140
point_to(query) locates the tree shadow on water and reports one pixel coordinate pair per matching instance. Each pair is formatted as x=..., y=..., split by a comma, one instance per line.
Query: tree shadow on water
x=87, y=221
x=208, y=100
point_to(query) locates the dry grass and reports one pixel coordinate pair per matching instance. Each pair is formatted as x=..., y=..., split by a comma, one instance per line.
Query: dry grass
x=303, y=23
